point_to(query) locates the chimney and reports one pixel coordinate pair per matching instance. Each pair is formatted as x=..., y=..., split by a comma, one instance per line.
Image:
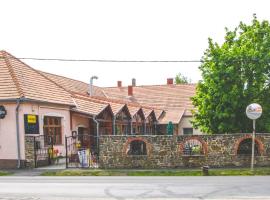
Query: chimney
x=130, y=90
x=119, y=83
x=133, y=82
x=169, y=81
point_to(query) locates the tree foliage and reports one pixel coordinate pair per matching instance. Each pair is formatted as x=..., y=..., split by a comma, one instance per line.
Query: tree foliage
x=235, y=74
x=181, y=79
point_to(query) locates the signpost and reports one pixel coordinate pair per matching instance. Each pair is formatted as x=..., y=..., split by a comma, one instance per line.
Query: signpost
x=253, y=111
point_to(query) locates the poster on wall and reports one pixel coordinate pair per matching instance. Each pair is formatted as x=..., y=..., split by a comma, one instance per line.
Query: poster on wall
x=31, y=124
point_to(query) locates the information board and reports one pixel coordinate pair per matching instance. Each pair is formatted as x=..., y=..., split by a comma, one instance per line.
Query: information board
x=31, y=124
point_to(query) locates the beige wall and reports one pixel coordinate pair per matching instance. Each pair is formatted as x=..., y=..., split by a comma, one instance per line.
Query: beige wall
x=185, y=123
x=8, y=137
x=79, y=121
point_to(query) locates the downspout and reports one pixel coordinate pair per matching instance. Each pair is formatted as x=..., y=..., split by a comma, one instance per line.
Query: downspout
x=97, y=140
x=131, y=127
x=155, y=127
x=114, y=125
x=145, y=127
x=18, y=134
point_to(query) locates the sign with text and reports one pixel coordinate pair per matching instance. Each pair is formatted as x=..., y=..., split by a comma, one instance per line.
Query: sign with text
x=31, y=124
x=254, y=111
x=31, y=119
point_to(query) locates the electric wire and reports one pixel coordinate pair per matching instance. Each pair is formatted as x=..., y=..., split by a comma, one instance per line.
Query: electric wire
x=105, y=60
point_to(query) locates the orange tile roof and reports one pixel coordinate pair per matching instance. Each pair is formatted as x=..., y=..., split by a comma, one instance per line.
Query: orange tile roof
x=20, y=80
x=164, y=97
x=88, y=106
x=72, y=85
x=172, y=115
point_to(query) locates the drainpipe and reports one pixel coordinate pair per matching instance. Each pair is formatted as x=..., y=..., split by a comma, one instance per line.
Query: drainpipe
x=155, y=127
x=131, y=127
x=18, y=134
x=114, y=125
x=95, y=120
x=144, y=127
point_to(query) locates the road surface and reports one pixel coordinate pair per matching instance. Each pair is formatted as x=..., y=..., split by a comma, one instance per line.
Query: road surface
x=128, y=188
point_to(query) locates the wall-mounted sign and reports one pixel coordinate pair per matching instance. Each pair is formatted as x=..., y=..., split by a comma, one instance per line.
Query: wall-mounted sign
x=31, y=124
x=3, y=112
x=31, y=119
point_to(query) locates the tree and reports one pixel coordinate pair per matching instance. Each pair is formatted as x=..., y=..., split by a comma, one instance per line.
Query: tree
x=170, y=128
x=235, y=74
x=181, y=79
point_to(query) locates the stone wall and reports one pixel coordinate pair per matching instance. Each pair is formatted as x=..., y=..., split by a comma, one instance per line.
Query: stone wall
x=168, y=151
x=29, y=152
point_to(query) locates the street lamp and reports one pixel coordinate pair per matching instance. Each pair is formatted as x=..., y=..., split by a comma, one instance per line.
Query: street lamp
x=253, y=111
x=91, y=85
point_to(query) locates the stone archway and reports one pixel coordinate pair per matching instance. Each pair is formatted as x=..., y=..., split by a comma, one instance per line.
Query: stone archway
x=242, y=145
x=144, y=143
x=196, y=140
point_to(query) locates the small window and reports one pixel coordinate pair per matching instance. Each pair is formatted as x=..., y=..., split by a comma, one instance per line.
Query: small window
x=188, y=131
x=137, y=147
x=52, y=129
x=193, y=147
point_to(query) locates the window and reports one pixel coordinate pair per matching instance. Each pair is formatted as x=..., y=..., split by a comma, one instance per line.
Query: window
x=188, y=131
x=245, y=147
x=52, y=130
x=137, y=147
x=193, y=147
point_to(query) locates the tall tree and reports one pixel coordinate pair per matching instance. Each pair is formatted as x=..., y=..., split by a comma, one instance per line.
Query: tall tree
x=235, y=74
x=181, y=79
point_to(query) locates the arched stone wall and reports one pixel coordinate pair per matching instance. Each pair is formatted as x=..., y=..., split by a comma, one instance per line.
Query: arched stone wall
x=167, y=151
x=204, y=144
x=257, y=141
x=129, y=140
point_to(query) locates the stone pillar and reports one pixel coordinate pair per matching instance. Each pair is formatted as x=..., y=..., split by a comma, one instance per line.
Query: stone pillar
x=29, y=152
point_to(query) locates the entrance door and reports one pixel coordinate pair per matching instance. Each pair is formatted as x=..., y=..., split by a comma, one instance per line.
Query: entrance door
x=84, y=137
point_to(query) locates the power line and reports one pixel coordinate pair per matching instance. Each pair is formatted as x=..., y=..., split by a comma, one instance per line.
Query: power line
x=105, y=60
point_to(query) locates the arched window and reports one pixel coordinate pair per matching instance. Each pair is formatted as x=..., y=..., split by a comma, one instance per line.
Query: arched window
x=193, y=147
x=245, y=147
x=137, y=147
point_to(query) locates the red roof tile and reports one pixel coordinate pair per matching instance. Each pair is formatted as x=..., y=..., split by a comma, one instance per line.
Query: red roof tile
x=20, y=80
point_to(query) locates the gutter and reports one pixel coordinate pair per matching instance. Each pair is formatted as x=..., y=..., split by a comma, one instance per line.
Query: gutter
x=18, y=133
x=95, y=120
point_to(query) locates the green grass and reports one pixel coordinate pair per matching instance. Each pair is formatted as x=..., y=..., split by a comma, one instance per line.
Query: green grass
x=3, y=173
x=169, y=172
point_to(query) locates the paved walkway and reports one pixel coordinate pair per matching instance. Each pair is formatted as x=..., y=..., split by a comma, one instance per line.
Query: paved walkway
x=36, y=171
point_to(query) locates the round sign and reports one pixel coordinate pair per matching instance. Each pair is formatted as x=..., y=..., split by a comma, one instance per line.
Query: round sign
x=3, y=112
x=254, y=111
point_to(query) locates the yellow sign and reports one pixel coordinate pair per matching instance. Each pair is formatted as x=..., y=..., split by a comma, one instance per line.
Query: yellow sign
x=31, y=119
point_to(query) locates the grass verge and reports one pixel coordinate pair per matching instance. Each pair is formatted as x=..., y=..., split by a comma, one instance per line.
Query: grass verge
x=3, y=173
x=169, y=172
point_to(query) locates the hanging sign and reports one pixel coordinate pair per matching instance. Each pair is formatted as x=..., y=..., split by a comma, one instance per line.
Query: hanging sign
x=3, y=112
x=254, y=111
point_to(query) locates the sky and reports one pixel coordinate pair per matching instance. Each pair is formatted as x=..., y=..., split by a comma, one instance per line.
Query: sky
x=120, y=30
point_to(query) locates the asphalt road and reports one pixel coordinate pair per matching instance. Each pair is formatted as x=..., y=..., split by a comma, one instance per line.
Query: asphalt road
x=127, y=188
